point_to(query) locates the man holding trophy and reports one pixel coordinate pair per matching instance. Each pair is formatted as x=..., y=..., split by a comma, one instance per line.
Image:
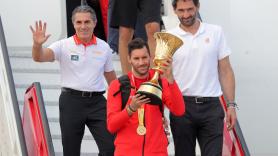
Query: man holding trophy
x=204, y=73
x=139, y=125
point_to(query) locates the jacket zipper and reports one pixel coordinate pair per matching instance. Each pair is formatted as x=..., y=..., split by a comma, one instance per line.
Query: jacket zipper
x=144, y=141
x=143, y=151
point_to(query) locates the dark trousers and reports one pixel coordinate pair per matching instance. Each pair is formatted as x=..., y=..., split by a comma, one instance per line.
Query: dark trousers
x=76, y=112
x=202, y=121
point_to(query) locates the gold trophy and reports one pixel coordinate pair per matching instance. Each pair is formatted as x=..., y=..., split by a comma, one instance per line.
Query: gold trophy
x=166, y=46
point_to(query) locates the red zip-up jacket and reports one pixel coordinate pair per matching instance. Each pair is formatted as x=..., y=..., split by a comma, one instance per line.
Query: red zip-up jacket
x=128, y=142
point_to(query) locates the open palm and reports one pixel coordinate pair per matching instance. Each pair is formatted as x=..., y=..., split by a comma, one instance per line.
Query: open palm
x=39, y=36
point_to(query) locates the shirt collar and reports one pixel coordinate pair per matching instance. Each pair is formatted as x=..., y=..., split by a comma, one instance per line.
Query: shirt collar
x=201, y=29
x=78, y=41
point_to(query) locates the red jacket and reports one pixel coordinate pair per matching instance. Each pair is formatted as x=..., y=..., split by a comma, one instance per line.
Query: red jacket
x=104, y=11
x=128, y=142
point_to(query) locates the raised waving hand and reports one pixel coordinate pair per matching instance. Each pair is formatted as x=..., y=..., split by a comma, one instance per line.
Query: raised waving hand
x=39, y=53
x=39, y=33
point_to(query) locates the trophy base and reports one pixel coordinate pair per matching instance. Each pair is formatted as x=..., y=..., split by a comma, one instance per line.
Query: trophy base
x=152, y=91
x=155, y=100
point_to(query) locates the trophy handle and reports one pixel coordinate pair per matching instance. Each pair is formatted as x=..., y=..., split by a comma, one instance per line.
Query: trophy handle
x=155, y=78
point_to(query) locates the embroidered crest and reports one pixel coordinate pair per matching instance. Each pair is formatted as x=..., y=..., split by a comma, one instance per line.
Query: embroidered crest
x=207, y=40
x=74, y=57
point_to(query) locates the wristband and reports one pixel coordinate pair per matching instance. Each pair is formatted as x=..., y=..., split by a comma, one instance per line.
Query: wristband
x=132, y=110
x=129, y=111
x=232, y=105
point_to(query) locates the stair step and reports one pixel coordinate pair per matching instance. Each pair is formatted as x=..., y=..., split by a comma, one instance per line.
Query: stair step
x=33, y=71
x=49, y=94
x=46, y=103
x=43, y=78
x=81, y=154
x=28, y=63
x=85, y=137
x=87, y=146
x=52, y=111
x=21, y=61
x=20, y=52
x=56, y=131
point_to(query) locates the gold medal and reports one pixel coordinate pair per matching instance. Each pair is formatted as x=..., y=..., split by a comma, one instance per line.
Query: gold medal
x=141, y=130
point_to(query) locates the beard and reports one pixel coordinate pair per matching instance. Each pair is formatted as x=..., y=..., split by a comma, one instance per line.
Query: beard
x=141, y=70
x=188, y=22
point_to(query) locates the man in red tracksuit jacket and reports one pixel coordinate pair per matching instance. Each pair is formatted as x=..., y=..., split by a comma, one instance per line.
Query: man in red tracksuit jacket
x=124, y=122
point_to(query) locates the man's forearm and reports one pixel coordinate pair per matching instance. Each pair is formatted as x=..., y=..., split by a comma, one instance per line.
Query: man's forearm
x=110, y=76
x=37, y=51
x=228, y=86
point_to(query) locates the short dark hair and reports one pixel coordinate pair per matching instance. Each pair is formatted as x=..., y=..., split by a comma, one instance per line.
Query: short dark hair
x=137, y=43
x=174, y=3
x=84, y=9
